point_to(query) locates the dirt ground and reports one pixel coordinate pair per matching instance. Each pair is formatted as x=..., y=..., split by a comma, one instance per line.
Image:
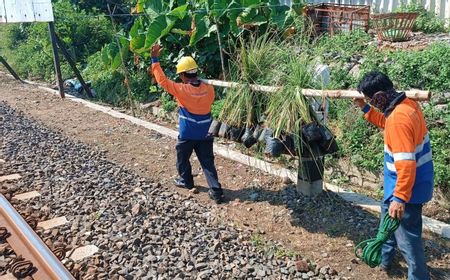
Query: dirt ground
x=324, y=230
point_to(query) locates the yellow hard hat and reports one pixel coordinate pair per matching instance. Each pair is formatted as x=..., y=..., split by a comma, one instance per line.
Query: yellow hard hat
x=185, y=64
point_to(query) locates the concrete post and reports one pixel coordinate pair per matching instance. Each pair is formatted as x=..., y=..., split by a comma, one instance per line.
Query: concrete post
x=310, y=171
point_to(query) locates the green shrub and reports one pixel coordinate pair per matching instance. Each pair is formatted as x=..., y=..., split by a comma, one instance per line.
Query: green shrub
x=358, y=139
x=340, y=79
x=438, y=122
x=101, y=75
x=141, y=88
x=428, y=69
x=217, y=108
x=427, y=21
x=341, y=46
x=168, y=104
x=109, y=88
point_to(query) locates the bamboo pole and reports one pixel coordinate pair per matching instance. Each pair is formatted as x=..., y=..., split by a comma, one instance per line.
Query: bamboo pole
x=418, y=95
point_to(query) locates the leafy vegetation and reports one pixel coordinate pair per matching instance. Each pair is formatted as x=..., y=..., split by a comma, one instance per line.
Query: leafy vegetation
x=217, y=108
x=168, y=104
x=27, y=46
x=426, y=22
x=438, y=121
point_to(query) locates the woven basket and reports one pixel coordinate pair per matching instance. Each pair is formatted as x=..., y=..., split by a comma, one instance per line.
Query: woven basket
x=394, y=27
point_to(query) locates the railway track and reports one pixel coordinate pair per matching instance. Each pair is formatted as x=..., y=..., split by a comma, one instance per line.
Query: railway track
x=22, y=235
x=34, y=260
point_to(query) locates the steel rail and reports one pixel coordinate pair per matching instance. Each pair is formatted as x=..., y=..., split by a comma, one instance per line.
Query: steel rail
x=25, y=242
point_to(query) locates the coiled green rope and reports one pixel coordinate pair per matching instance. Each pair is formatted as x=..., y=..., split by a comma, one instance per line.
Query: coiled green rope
x=371, y=248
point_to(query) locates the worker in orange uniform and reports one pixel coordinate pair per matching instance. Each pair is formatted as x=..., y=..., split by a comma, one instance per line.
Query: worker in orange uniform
x=194, y=99
x=408, y=168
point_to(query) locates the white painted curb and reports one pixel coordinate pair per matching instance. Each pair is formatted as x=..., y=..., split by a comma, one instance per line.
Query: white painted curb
x=432, y=225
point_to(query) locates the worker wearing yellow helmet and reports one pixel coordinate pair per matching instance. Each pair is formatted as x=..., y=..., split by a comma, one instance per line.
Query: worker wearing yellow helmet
x=194, y=100
x=187, y=65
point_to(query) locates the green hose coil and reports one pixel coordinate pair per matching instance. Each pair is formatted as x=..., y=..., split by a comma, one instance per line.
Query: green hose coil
x=371, y=248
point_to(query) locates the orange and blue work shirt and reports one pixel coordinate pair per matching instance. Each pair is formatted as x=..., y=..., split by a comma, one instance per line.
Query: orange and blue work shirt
x=408, y=164
x=194, y=101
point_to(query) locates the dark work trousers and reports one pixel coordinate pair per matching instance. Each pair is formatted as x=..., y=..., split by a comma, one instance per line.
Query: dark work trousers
x=408, y=238
x=204, y=151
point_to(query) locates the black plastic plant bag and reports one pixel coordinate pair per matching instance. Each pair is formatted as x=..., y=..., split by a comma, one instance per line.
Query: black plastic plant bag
x=224, y=130
x=236, y=133
x=289, y=144
x=328, y=142
x=214, y=128
x=274, y=147
x=257, y=132
x=311, y=132
x=311, y=166
x=248, y=139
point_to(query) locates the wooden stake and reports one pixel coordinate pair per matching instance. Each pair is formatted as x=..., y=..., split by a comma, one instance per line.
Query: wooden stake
x=51, y=29
x=3, y=61
x=418, y=95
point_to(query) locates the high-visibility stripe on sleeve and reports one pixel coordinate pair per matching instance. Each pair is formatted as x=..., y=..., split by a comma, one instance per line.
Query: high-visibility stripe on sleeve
x=404, y=156
x=424, y=159
x=387, y=151
x=391, y=166
x=426, y=139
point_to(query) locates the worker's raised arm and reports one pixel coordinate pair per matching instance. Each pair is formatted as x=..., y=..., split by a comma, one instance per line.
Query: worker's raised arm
x=376, y=118
x=370, y=114
x=170, y=86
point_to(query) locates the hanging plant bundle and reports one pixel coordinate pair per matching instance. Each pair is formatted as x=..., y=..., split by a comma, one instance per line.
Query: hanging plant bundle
x=234, y=110
x=296, y=112
x=244, y=108
x=256, y=60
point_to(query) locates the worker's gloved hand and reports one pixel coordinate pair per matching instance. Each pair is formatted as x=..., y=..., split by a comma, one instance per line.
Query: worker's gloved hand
x=359, y=102
x=156, y=51
x=396, y=210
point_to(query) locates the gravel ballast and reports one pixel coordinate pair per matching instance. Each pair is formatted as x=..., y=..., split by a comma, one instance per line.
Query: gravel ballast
x=143, y=229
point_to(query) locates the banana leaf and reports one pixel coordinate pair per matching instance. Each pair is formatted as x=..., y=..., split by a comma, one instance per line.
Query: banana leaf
x=137, y=37
x=201, y=29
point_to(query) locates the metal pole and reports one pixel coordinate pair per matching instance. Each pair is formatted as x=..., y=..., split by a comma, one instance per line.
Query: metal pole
x=74, y=66
x=51, y=29
x=3, y=61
